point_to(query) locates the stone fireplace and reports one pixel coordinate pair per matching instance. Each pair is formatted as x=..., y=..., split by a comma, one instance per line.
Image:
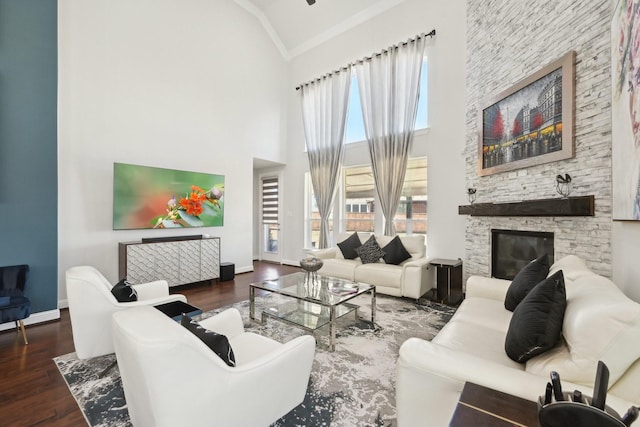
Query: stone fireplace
x=493, y=67
x=513, y=249
x=586, y=237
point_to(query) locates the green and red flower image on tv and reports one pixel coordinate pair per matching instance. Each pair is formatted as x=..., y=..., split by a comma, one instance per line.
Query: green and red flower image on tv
x=148, y=197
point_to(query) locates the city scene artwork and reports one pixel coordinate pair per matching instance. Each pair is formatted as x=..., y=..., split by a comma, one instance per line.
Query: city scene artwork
x=530, y=123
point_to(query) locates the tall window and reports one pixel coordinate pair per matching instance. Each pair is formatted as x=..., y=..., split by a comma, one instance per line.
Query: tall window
x=355, y=122
x=359, y=199
x=411, y=216
x=355, y=207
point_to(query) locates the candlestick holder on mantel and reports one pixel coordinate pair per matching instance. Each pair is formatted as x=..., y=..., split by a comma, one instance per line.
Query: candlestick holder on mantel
x=563, y=185
x=569, y=206
x=471, y=194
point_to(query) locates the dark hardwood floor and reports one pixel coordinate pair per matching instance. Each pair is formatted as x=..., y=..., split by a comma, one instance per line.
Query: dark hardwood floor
x=32, y=391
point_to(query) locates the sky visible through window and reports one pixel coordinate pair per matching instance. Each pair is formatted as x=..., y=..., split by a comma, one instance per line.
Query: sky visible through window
x=355, y=122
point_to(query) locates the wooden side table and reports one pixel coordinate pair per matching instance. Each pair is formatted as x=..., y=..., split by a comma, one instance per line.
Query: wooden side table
x=480, y=406
x=448, y=280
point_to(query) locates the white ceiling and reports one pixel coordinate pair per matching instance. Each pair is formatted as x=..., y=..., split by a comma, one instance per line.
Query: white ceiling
x=296, y=27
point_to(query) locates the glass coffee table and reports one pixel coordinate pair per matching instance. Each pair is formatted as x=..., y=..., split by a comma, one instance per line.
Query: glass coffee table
x=314, y=301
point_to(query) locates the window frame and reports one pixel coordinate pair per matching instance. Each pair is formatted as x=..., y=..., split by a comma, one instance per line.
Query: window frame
x=422, y=97
x=338, y=221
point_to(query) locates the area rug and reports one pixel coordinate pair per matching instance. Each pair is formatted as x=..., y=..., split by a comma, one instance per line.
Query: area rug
x=355, y=385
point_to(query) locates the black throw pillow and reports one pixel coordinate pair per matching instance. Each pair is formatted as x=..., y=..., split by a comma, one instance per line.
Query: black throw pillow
x=536, y=324
x=349, y=245
x=124, y=292
x=395, y=252
x=530, y=275
x=370, y=251
x=216, y=342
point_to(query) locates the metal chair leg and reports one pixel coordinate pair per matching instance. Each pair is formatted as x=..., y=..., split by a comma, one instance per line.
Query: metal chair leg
x=24, y=333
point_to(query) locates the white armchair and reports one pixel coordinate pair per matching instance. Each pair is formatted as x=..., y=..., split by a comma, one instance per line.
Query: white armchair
x=91, y=305
x=170, y=377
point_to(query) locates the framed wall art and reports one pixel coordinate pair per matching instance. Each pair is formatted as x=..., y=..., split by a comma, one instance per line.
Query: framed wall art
x=530, y=123
x=625, y=111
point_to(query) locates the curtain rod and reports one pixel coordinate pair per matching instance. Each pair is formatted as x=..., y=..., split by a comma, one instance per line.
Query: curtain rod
x=431, y=33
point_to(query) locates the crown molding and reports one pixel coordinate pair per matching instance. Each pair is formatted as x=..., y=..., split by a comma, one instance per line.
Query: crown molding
x=345, y=26
x=266, y=24
x=340, y=28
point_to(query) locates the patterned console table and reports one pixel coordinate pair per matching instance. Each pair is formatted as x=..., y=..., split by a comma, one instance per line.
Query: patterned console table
x=178, y=261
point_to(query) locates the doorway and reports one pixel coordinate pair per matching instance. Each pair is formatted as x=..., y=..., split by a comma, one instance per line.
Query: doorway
x=270, y=218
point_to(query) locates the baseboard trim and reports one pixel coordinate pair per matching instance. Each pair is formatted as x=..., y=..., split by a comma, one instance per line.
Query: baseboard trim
x=41, y=317
x=246, y=269
x=292, y=263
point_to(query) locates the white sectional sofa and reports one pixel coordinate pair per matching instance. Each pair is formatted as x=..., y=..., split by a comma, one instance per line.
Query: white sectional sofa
x=600, y=323
x=412, y=278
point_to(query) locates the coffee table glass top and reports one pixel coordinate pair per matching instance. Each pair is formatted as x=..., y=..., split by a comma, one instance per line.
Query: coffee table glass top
x=312, y=301
x=328, y=291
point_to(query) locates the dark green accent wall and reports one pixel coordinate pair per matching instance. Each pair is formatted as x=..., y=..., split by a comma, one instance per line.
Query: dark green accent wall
x=28, y=144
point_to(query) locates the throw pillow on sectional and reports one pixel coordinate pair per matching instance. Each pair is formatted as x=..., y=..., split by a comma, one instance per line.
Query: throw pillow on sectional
x=217, y=342
x=536, y=324
x=370, y=251
x=395, y=252
x=526, y=279
x=349, y=245
x=124, y=292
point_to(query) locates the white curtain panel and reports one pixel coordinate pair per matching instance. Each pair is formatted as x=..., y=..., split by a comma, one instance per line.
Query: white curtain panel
x=324, y=114
x=389, y=86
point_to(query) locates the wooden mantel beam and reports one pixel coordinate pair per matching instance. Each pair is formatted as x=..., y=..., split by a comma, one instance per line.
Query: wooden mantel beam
x=571, y=206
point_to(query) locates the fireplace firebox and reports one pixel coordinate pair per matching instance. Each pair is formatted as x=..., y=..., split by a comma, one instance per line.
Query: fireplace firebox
x=513, y=249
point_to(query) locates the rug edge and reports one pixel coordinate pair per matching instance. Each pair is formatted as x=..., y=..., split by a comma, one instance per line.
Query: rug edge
x=69, y=387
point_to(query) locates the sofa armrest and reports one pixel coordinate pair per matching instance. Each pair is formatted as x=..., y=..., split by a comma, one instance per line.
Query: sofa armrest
x=417, y=277
x=487, y=287
x=420, y=262
x=149, y=290
x=228, y=323
x=151, y=301
x=427, y=358
x=430, y=378
x=323, y=253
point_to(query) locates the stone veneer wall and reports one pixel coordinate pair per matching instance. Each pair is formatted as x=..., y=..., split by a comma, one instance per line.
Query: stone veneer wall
x=506, y=42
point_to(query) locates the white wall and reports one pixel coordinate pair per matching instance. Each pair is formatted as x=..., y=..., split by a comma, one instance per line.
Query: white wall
x=183, y=84
x=443, y=143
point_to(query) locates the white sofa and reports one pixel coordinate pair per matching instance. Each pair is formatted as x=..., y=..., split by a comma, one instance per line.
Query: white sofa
x=412, y=278
x=600, y=323
x=171, y=378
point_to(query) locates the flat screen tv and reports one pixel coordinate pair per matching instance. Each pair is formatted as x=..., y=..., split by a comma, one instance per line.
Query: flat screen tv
x=148, y=197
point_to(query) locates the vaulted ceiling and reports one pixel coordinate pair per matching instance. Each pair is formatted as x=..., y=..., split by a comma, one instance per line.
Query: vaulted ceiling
x=296, y=27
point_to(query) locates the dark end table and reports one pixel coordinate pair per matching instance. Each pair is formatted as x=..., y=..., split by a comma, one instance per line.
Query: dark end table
x=448, y=280
x=175, y=309
x=480, y=406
